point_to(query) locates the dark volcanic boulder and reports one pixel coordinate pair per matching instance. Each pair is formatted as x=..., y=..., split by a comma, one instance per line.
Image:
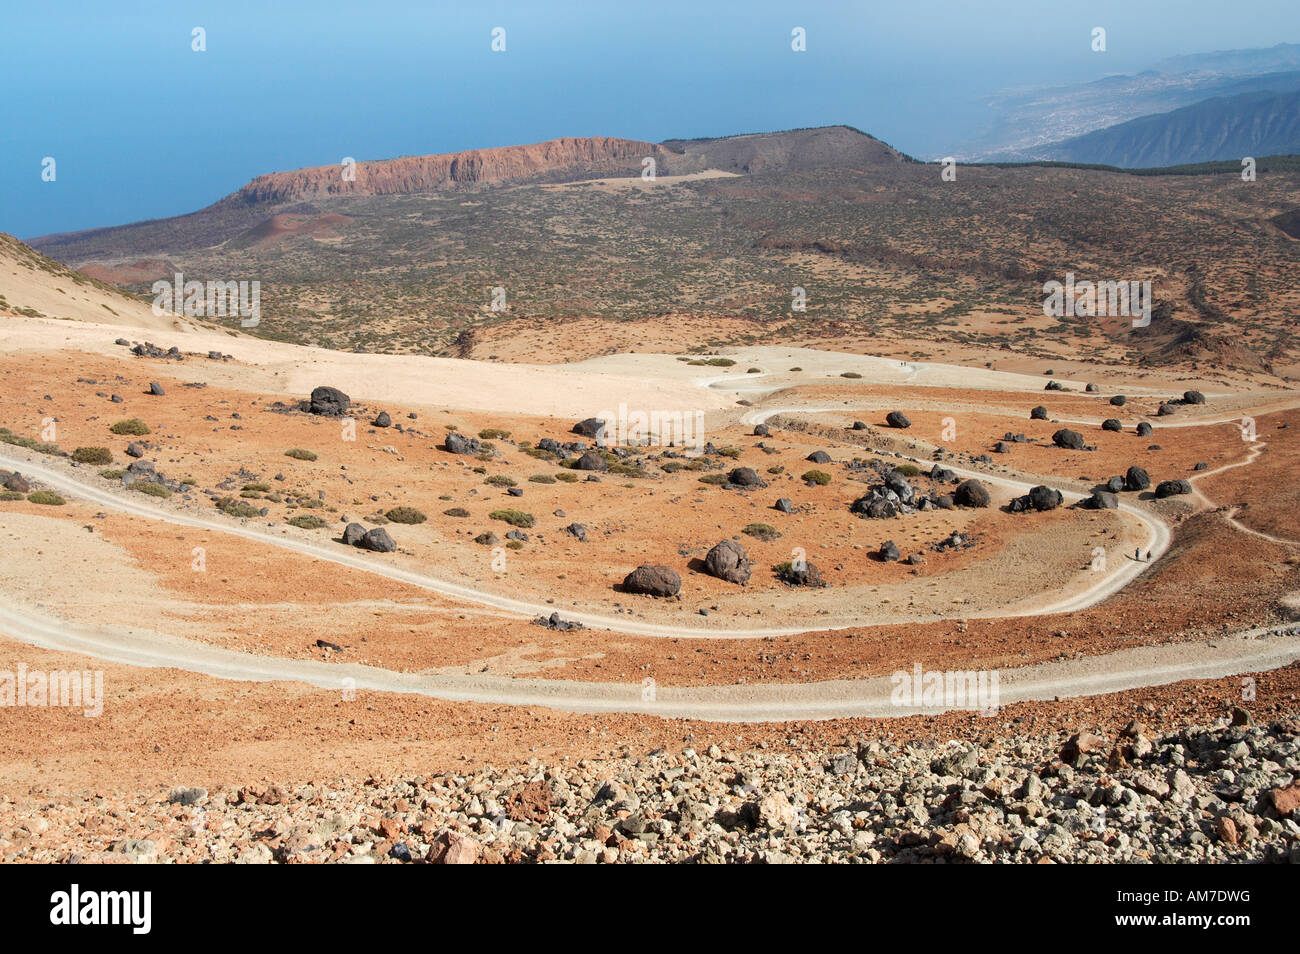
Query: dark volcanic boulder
x=1193, y=397
x=784, y=505
x=1111, y=424
x=1115, y=484
x=800, y=573
x=1136, y=479
x=889, y=552
x=591, y=427
x=745, y=477
x=330, y=402
x=1067, y=438
x=377, y=539
x=1044, y=498
x=1171, y=488
x=728, y=561
x=653, y=581
x=1119, y=400
x=591, y=461
x=971, y=493
x=859, y=425
x=1054, y=386
x=819, y=457
x=895, y=481
x=1091, y=388
x=353, y=533
x=1165, y=410
x=578, y=530
x=1103, y=500
x=1144, y=429
x=762, y=430
x=897, y=419
x=156, y=389
x=875, y=506
x=460, y=444
x=383, y=420
x=18, y=483
x=1038, y=414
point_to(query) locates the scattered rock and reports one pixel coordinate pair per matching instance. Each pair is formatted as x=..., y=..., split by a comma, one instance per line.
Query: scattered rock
x=728, y=561
x=329, y=402
x=971, y=493
x=1069, y=439
x=653, y=581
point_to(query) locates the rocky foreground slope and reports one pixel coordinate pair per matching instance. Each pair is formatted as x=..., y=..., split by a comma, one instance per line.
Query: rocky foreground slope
x=1217, y=794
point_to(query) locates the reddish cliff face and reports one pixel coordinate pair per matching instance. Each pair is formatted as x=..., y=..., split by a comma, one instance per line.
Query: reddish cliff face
x=597, y=155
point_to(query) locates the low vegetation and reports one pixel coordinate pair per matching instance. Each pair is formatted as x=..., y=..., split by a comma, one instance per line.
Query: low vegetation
x=516, y=518
x=132, y=426
x=92, y=455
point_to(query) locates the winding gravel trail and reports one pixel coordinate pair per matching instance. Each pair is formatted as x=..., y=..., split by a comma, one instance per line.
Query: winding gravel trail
x=1257, y=651
x=286, y=538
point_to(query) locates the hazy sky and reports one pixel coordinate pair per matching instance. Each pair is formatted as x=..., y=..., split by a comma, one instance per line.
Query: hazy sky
x=141, y=126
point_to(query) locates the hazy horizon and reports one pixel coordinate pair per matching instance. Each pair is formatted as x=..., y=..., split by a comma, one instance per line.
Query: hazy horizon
x=141, y=126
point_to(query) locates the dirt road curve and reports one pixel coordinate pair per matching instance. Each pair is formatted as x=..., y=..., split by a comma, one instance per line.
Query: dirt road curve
x=123, y=502
x=1253, y=652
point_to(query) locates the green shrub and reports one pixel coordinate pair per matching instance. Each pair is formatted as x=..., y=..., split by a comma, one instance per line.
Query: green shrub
x=514, y=544
x=516, y=518
x=908, y=470
x=10, y=495
x=762, y=531
x=234, y=507
x=818, y=477
x=567, y=476
x=732, y=453
x=307, y=521
x=407, y=515
x=715, y=479
x=151, y=488
x=493, y=433
x=92, y=455
x=777, y=469
x=132, y=426
x=112, y=474
x=754, y=371
x=500, y=480
x=298, y=453
x=796, y=368
x=456, y=512
x=257, y=488
x=47, y=497
x=189, y=481
x=850, y=374
x=541, y=479
x=9, y=437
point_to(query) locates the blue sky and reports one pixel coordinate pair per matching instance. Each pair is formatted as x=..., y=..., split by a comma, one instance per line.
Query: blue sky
x=141, y=126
